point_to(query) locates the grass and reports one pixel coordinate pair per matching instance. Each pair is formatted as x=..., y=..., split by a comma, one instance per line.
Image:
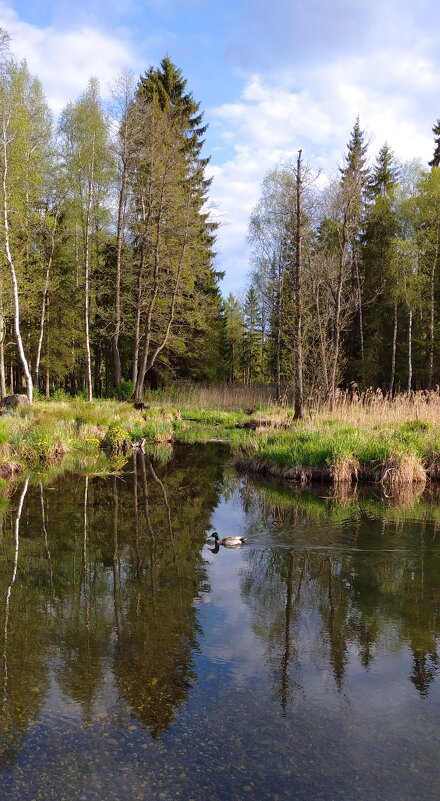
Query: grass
x=369, y=437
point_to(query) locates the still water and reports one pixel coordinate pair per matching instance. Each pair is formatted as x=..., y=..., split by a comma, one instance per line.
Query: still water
x=138, y=664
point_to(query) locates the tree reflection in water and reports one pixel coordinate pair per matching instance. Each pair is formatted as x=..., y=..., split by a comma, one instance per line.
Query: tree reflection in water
x=99, y=578
x=333, y=594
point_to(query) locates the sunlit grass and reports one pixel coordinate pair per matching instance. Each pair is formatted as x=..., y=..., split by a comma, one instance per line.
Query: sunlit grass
x=363, y=437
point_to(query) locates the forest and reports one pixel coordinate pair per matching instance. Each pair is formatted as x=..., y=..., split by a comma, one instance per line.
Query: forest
x=111, y=282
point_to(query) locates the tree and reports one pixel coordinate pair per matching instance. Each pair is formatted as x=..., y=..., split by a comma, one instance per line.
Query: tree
x=435, y=161
x=428, y=236
x=252, y=346
x=298, y=291
x=354, y=180
x=336, y=232
x=173, y=234
x=25, y=136
x=380, y=301
x=409, y=276
x=269, y=236
x=234, y=328
x=124, y=148
x=85, y=147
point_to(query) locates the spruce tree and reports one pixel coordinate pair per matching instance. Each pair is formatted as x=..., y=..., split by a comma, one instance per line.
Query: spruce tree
x=179, y=278
x=354, y=168
x=435, y=161
x=380, y=228
x=385, y=173
x=354, y=181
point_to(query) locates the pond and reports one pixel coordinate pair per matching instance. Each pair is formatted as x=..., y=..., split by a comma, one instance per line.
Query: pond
x=136, y=662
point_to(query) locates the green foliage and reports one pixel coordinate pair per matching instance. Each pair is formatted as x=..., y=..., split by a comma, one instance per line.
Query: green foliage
x=126, y=389
x=116, y=439
x=60, y=395
x=415, y=425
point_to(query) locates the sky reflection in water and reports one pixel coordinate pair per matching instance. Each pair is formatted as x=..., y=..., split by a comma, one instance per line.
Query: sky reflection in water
x=136, y=664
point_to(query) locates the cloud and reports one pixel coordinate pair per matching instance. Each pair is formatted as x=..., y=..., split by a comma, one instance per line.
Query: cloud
x=64, y=60
x=393, y=92
x=306, y=70
x=311, y=31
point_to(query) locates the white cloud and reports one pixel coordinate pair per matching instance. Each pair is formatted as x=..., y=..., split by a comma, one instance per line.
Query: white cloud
x=388, y=76
x=394, y=93
x=64, y=60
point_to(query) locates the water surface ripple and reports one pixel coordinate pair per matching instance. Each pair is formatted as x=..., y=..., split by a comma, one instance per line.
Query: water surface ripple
x=137, y=662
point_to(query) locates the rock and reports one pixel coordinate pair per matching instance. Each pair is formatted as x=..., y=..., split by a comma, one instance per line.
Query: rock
x=12, y=401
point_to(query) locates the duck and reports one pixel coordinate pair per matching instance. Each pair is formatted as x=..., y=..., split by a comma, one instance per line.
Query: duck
x=228, y=542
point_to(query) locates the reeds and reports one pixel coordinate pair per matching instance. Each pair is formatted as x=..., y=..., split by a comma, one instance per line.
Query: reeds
x=368, y=437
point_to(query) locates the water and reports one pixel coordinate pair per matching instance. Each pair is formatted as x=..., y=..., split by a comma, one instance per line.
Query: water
x=137, y=664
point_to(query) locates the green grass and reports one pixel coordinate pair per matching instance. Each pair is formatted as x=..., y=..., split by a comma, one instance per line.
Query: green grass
x=39, y=435
x=339, y=509
x=322, y=446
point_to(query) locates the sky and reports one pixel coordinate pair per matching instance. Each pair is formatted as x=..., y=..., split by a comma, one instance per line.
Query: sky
x=272, y=76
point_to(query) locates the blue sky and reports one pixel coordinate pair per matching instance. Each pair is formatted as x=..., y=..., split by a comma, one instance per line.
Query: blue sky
x=271, y=77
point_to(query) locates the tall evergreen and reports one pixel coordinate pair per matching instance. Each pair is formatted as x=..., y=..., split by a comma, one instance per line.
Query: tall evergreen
x=355, y=161
x=172, y=167
x=435, y=161
x=380, y=309
x=385, y=173
x=354, y=182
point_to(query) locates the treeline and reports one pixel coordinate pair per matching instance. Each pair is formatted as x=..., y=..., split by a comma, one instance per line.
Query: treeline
x=345, y=285
x=108, y=281
x=107, y=250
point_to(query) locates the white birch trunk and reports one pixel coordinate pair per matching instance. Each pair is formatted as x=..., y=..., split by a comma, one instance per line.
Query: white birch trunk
x=11, y=265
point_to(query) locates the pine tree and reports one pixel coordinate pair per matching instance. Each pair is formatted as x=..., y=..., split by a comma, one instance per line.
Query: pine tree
x=435, y=161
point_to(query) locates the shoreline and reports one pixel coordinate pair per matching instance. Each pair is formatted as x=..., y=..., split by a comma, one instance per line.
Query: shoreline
x=268, y=442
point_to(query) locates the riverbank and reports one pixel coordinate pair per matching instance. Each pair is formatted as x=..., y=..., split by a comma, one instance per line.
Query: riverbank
x=349, y=445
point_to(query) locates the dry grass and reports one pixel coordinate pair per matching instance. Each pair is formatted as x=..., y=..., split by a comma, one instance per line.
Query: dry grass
x=402, y=470
x=219, y=396
x=345, y=470
x=373, y=408
x=369, y=408
x=432, y=466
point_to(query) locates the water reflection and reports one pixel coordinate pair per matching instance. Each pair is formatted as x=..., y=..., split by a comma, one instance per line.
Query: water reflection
x=94, y=574
x=130, y=647
x=339, y=593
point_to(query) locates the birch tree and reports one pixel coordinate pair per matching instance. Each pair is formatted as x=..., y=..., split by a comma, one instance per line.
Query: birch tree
x=124, y=144
x=25, y=133
x=88, y=165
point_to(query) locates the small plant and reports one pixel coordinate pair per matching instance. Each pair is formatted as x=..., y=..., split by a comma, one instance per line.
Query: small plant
x=415, y=426
x=60, y=395
x=116, y=439
x=126, y=389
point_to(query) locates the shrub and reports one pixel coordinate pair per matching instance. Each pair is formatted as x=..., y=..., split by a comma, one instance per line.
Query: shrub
x=116, y=439
x=126, y=389
x=60, y=395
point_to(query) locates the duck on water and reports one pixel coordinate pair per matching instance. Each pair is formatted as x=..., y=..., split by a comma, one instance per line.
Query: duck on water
x=228, y=542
